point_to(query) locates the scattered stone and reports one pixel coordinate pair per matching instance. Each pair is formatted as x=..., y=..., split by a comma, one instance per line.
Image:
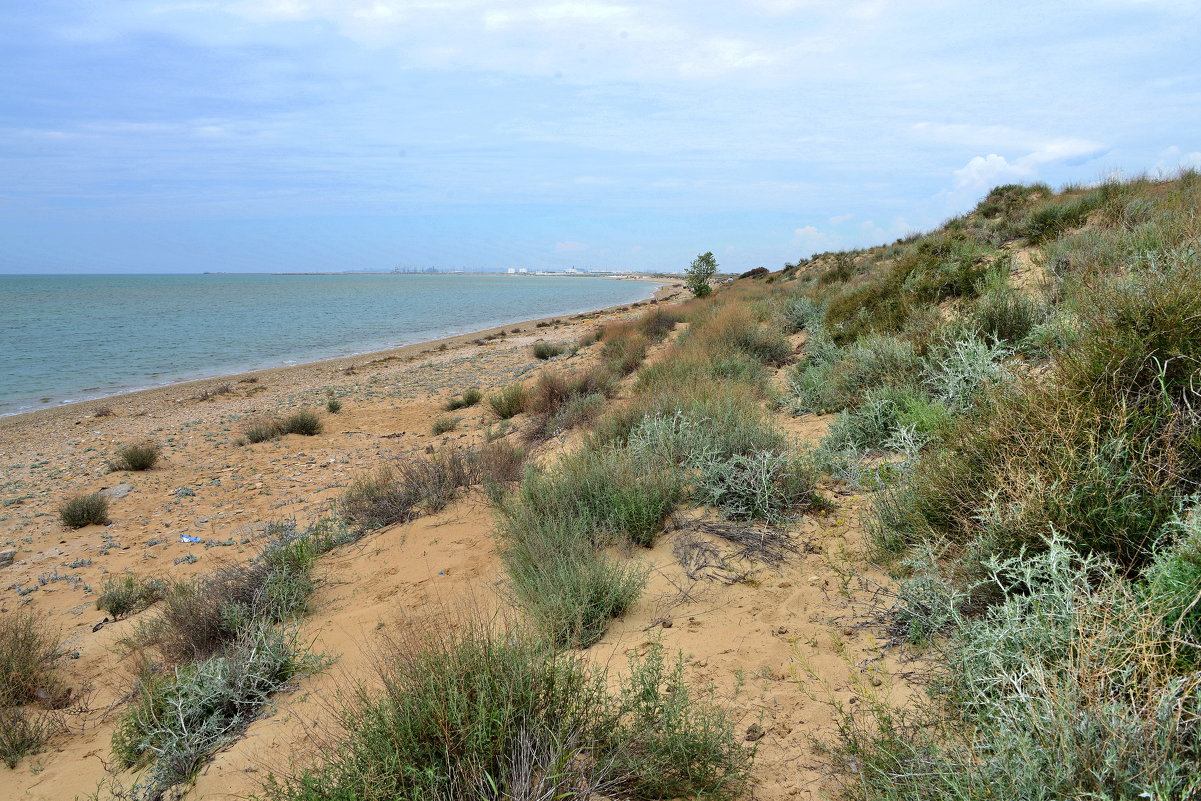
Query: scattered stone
x=754, y=732
x=73, y=655
x=877, y=681
x=7, y=557
x=119, y=491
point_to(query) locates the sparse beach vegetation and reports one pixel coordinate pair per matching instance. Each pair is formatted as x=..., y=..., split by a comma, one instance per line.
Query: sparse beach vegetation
x=508, y=402
x=138, y=456
x=84, y=510
x=29, y=687
x=470, y=397
x=548, y=350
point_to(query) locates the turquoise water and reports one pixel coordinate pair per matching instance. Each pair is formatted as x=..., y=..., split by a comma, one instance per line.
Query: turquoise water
x=74, y=337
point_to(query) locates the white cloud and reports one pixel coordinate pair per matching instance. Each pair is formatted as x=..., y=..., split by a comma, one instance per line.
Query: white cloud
x=808, y=237
x=570, y=247
x=841, y=218
x=1173, y=158
x=985, y=172
x=1038, y=148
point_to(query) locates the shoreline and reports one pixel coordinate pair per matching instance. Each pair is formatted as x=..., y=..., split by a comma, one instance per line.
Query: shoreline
x=176, y=391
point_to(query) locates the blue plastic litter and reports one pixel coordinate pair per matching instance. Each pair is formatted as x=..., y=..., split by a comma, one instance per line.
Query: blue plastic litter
x=187, y=538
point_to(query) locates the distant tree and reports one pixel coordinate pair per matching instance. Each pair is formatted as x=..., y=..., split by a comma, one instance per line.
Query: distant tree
x=703, y=268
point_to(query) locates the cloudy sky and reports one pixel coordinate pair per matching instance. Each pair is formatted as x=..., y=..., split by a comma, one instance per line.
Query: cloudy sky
x=190, y=135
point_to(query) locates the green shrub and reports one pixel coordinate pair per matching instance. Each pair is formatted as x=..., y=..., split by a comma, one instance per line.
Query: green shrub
x=1063, y=690
x=84, y=510
x=606, y=496
x=139, y=456
x=200, y=618
x=1049, y=221
x=129, y=593
x=443, y=424
x=262, y=430
x=832, y=379
x=333, y=405
x=1009, y=199
x=305, y=422
x=568, y=591
x=1172, y=584
x=474, y=714
x=1006, y=316
x=801, y=313
x=177, y=721
x=672, y=745
x=469, y=398
x=762, y=486
x=548, y=350
x=508, y=402
x=957, y=372
x=552, y=528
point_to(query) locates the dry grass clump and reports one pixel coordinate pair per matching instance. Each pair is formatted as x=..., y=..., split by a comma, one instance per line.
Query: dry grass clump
x=441, y=425
x=420, y=485
x=84, y=510
x=28, y=652
x=561, y=400
x=138, y=456
x=305, y=422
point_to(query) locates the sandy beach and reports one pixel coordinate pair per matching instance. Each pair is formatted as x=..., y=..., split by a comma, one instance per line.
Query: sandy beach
x=209, y=502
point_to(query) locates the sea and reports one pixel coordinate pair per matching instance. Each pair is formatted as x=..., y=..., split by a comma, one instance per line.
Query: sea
x=66, y=338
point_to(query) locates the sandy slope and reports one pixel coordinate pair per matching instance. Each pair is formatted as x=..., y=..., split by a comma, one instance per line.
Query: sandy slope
x=777, y=641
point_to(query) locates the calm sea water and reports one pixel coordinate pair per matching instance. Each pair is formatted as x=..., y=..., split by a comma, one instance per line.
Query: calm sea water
x=75, y=337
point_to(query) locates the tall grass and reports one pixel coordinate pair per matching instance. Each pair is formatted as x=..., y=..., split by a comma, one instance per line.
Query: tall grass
x=475, y=714
x=555, y=526
x=28, y=652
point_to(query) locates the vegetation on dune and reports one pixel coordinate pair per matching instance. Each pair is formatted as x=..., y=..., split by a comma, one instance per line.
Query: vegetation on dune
x=138, y=456
x=1035, y=455
x=1018, y=391
x=84, y=510
x=224, y=644
x=29, y=688
x=475, y=714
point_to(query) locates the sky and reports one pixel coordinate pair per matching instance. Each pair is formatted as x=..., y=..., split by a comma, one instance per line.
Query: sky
x=262, y=135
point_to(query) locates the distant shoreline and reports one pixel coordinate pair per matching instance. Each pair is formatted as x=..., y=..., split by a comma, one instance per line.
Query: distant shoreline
x=175, y=390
